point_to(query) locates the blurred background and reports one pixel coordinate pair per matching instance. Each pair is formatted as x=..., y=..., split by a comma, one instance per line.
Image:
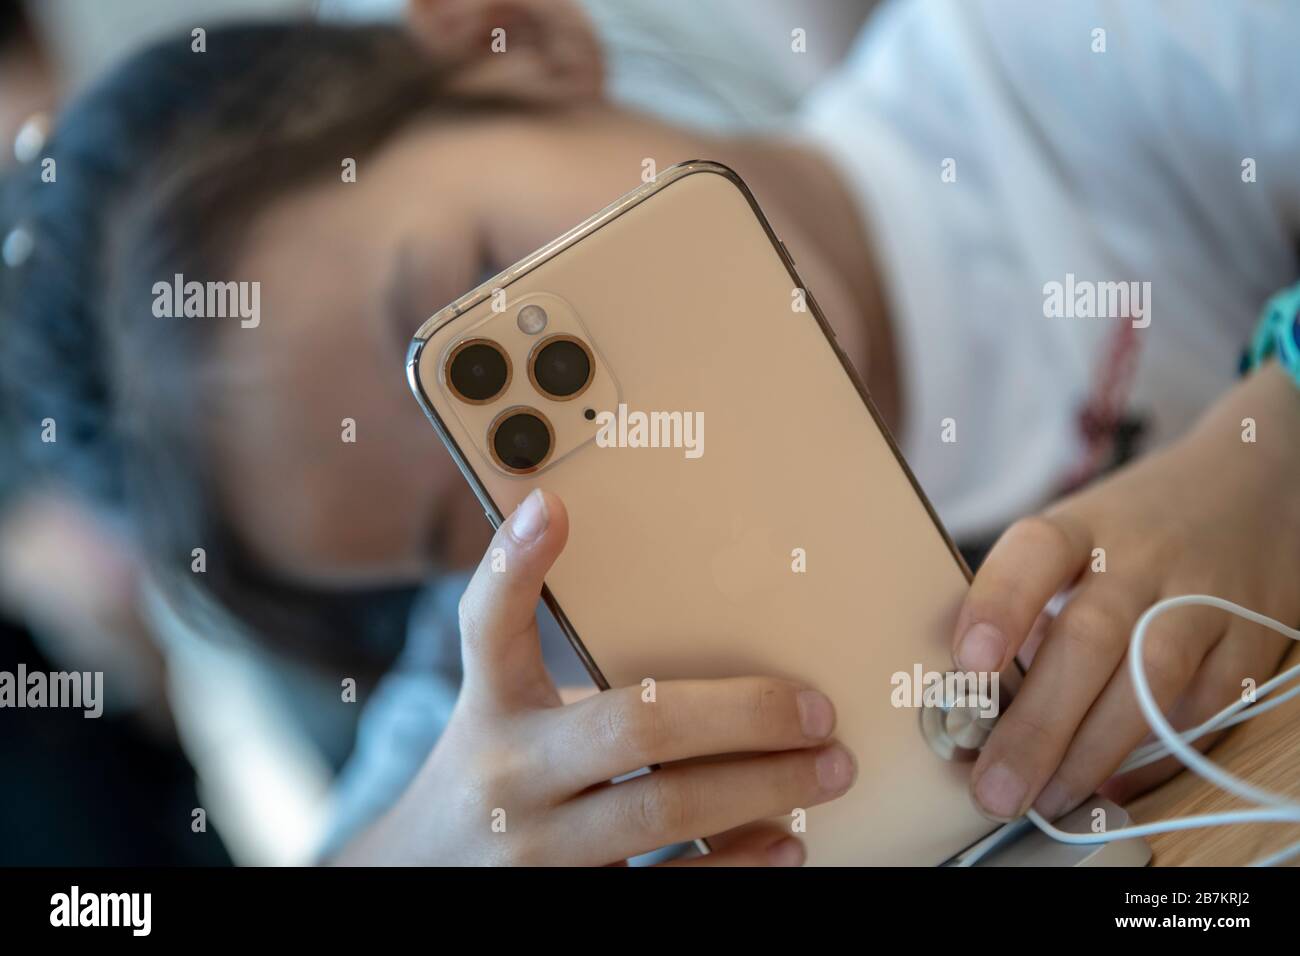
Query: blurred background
x=254, y=739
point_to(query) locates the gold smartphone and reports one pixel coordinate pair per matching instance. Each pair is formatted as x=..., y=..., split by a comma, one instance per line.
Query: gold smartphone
x=736, y=506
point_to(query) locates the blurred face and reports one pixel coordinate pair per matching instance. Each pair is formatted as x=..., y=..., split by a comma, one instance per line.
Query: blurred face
x=348, y=272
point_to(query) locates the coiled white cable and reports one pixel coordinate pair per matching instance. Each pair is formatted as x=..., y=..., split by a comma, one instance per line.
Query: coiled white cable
x=1273, y=807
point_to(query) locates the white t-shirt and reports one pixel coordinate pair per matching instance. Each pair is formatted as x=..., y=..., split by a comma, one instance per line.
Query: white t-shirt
x=722, y=65
x=998, y=146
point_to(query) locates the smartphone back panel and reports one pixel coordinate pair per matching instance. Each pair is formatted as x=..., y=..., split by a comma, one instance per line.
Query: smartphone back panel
x=790, y=541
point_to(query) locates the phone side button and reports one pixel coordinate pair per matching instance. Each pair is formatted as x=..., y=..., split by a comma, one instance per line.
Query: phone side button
x=786, y=250
x=492, y=520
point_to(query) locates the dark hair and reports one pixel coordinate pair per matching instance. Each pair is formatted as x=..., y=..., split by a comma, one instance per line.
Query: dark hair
x=14, y=27
x=159, y=169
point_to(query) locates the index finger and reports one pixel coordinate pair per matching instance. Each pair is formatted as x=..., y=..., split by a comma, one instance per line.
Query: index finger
x=1033, y=560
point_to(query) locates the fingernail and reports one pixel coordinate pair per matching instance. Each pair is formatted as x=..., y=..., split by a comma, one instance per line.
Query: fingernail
x=1001, y=792
x=982, y=648
x=786, y=852
x=816, y=715
x=835, y=769
x=530, y=518
x=1054, y=800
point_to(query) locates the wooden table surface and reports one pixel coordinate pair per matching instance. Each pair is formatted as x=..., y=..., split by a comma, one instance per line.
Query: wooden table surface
x=1265, y=751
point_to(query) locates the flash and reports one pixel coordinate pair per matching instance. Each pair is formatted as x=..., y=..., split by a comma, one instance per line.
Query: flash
x=531, y=319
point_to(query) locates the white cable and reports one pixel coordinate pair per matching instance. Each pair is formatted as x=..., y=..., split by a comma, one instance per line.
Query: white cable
x=1160, y=752
x=1230, y=716
x=1146, y=700
x=1258, y=815
x=1281, y=856
x=1274, y=807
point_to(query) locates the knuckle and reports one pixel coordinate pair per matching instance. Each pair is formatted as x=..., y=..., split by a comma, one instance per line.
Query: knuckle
x=1040, y=533
x=1228, y=681
x=1092, y=625
x=1226, y=688
x=661, y=806
x=634, y=727
x=1165, y=664
x=1003, y=592
x=1030, y=731
x=495, y=772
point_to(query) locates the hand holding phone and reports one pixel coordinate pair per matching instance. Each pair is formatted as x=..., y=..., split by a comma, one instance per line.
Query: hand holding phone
x=787, y=538
x=517, y=778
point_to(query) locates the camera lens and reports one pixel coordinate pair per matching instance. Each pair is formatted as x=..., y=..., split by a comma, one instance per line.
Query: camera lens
x=561, y=367
x=478, y=371
x=521, y=439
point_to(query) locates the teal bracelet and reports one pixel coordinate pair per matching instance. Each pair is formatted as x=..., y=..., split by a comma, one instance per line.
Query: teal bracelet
x=1278, y=334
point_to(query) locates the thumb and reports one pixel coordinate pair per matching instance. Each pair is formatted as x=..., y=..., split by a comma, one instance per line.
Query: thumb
x=500, y=647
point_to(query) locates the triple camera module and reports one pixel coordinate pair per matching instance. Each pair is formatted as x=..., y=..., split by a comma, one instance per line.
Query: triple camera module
x=560, y=367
